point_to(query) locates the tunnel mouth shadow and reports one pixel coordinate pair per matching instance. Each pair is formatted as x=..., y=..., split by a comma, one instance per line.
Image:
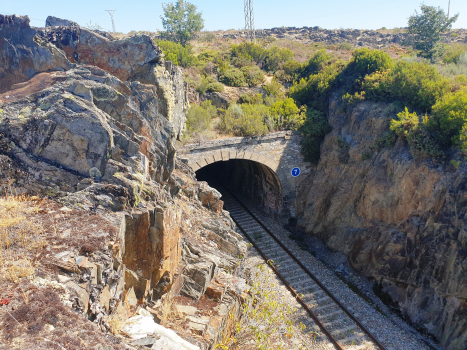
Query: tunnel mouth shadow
x=253, y=181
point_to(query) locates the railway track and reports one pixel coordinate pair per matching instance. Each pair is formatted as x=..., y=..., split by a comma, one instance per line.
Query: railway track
x=340, y=326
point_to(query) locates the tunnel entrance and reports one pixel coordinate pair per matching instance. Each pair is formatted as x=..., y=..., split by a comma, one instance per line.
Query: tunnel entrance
x=251, y=180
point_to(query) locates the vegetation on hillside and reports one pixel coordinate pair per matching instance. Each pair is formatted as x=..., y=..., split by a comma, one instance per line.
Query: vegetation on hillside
x=427, y=86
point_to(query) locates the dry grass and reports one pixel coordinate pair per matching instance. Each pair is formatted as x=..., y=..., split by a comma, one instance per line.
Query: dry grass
x=18, y=234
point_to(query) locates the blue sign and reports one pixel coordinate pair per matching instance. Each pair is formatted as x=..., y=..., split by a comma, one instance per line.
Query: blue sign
x=295, y=172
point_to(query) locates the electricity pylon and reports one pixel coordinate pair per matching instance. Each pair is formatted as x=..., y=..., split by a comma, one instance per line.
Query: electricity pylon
x=111, y=13
x=249, y=21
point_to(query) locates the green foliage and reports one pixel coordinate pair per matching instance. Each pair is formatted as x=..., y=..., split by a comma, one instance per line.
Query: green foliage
x=208, y=56
x=351, y=100
x=233, y=77
x=253, y=75
x=268, y=59
x=274, y=89
x=453, y=52
x=316, y=63
x=291, y=71
x=199, y=118
x=315, y=90
x=245, y=120
x=405, y=124
x=416, y=85
x=450, y=116
x=366, y=156
x=455, y=164
x=315, y=127
x=181, y=21
x=205, y=82
x=286, y=115
x=427, y=27
x=215, y=87
x=251, y=99
x=180, y=55
x=366, y=61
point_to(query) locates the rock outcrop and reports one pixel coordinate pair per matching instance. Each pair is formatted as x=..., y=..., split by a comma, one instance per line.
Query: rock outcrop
x=400, y=220
x=23, y=53
x=132, y=229
x=355, y=37
x=136, y=58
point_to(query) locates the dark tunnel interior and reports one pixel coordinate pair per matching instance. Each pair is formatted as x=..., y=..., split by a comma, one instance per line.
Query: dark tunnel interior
x=248, y=179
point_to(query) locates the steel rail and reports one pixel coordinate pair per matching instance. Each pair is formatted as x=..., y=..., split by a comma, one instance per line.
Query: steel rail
x=308, y=272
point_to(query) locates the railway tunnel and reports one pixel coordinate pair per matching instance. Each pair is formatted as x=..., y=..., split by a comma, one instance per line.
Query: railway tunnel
x=250, y=180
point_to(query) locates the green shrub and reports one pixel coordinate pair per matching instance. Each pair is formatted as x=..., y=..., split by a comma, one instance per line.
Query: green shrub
x=450, y=116
x=366, y=155
x=233, y=77
x=269, y=59
x=208, y=56
x=286, y=115
x=177, y=53
x=275, y=57
x=315, y=90
x=366, y=61
x=416, y=85
x=253, y=75
x=203, y=85
x=214, y=87
x=199, y=118
x=405, y=124
x=314, y=129
x=291, y=71
x=453, y=52
x=245, y=120
x=274, y=89
x=251, y=99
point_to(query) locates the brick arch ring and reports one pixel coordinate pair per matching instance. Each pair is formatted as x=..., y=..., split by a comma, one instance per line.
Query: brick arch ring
x=221, y=156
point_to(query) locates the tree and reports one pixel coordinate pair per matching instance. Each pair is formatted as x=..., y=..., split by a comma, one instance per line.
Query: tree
x=427, y=27
x=181, y=21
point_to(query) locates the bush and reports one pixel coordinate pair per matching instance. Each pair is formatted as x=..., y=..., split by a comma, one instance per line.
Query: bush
x=286, y=115
x=274, y=89
x=366, y=61
x=215, y=87
x=253, y=75
x=417, y=85
x=203, y=85
x=291, y=71
x=387, y=140
x=208, y=56
x=275, y=57
x=233, y=77
x=245, y=120
x=407, y=123
x=450, y=116
x=315, y=90
x=314, y=129
x=269, y=59
x=251, y=99
x=199, y=118
x=177, y=53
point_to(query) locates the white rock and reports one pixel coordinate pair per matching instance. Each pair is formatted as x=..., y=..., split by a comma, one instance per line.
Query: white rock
x=164, y=343
x=138, y=327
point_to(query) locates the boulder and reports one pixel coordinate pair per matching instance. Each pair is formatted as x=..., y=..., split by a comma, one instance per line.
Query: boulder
x=210, y=197
x=139, y=327
x=23, y=54
x=52, y=21
x=118, y=57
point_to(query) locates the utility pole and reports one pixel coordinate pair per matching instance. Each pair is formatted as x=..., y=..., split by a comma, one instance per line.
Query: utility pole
x=449, y=7
x=249, y=21
x=111, y=13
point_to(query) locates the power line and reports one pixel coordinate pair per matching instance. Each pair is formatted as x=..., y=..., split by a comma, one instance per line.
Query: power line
x=111, y=13
x=249, y=21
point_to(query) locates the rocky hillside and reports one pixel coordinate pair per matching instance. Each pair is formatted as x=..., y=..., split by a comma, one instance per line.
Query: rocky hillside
x=118, y=244
x=400, y=221
x=356, y=37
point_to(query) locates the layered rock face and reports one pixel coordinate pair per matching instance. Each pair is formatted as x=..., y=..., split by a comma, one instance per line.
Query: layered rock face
x=102, y=146
x=399, y=220
x=23, y=54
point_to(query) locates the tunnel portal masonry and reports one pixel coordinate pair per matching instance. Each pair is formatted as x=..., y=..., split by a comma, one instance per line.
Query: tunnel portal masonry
x=279, y=151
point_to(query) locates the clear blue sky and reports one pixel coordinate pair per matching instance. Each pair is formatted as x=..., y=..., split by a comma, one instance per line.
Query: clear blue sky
x=222, y=14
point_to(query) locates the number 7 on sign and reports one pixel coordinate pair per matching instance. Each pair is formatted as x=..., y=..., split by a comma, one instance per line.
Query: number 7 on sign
x=295, y=172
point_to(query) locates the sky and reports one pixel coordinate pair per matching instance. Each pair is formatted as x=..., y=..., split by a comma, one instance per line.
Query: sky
x=145, y=15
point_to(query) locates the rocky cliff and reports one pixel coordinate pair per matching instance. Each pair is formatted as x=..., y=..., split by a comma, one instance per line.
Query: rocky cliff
x=128, y=237
x=400, y=220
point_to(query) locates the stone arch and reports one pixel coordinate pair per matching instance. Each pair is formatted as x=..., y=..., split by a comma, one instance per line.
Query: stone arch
x=204, y=159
